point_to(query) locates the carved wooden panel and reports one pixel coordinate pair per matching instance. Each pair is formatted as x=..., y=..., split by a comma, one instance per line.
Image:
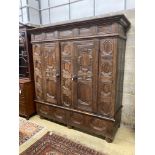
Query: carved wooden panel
x=49, y=35
x=87, y=31
x=59, y=114
x=98, y=124
x=37, y=59
x=36, y=37
x=66, y=33
x=66, y=73
x=105, y=106
x=104, y=29
x=85, y=72
x=77, y=119
x=51, y=72
x=43, y=109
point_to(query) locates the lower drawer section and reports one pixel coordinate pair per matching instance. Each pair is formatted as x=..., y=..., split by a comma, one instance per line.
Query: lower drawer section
x=90, y=124
x=53, y=113
x=86, y=122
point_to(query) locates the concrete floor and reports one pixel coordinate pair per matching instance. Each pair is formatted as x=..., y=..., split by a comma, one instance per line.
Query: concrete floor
x=123, y=144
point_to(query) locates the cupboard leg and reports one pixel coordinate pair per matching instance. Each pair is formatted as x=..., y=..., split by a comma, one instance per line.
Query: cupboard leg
x=109, y=140
x=69, y=126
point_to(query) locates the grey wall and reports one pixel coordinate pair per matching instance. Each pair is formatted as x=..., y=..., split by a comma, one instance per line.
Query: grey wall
x=51, y=11
x=128, y=115
x=29, y=12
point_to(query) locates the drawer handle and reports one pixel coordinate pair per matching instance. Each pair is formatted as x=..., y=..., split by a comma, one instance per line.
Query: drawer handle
x=20, y=91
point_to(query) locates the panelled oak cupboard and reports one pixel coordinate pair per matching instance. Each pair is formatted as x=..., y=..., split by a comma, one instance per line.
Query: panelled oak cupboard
x=78, y=71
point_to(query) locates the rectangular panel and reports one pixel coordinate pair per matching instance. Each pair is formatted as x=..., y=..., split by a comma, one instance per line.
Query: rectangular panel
x=87, y=31
x=25, y=18
x=51, y=73
x=24, y=2
x=104, y=6
x=59, y=13
x=85, y=82
x=44, y=4
x=34, y=3
x=58, y=2
x=130, y=4
x=106, y=75
x=66, y=73
x=37, y=61
x=45, y=17
x=53, y=113
x=34, y=16
x=82, y=9
x=66, y=33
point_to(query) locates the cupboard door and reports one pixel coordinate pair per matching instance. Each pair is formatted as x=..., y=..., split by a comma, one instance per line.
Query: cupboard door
x=106, y=76
x=66, y=73
x=37, y=61
x=85, y=75
x=51, y=73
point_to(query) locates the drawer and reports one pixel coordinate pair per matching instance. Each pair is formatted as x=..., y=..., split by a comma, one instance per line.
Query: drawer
x=77, y=119
x=53, y=113
x=90, y=124
x=98, y=126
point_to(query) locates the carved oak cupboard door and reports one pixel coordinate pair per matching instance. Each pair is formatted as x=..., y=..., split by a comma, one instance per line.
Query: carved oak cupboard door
x=37, y=61
x=51, y=72
x=85, y=75
x=67, y=56
x=106, y=77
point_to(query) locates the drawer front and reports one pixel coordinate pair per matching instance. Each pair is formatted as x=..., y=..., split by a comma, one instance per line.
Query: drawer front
x=53, y=113
x=77, y=120
x=96, y=125
x=90, y=124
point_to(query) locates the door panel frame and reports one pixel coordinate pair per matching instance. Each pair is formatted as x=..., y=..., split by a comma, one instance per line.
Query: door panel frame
x=95, y=49
x=57, y=74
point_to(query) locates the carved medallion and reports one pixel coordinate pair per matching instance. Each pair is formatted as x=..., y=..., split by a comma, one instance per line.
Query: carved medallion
x=77, y=118
x=98, y=124
x=106, y=88
x=106, y=48
x=106, y=67
x=105, y=108
x=36, y=49
x=66, y=50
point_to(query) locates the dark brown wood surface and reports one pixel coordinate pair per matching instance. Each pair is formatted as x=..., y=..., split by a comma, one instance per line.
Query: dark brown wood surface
x=26, y=74
x=26, y=98
x=78, y=70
